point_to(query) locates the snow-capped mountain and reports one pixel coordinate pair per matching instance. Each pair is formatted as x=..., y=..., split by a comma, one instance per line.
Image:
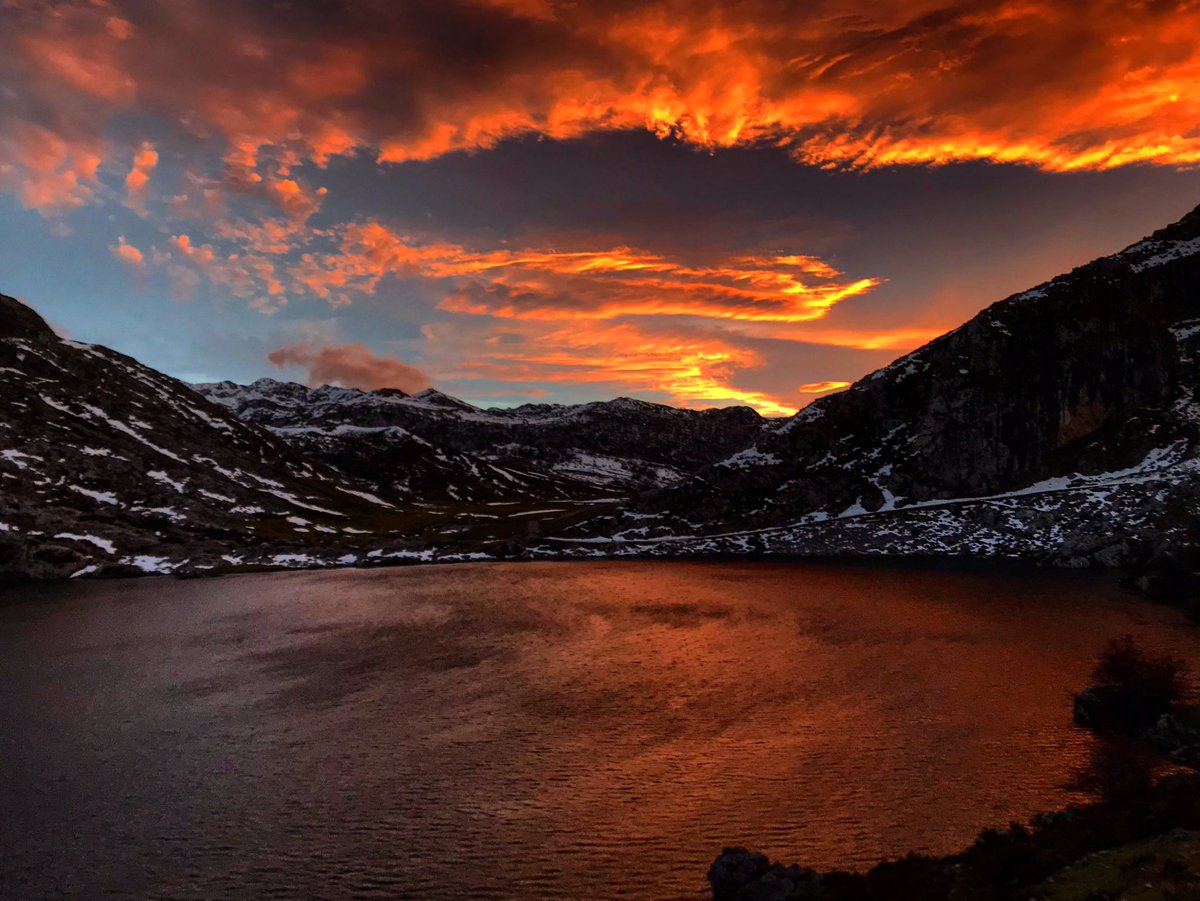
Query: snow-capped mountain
x=359, y=434
x=431, y=444
x=1060, y=423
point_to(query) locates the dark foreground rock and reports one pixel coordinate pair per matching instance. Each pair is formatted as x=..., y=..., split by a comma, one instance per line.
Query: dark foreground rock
x=741, y=875
x=1175, y=739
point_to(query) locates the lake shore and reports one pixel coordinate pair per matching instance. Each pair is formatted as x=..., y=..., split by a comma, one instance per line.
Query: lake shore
x=1148, y=848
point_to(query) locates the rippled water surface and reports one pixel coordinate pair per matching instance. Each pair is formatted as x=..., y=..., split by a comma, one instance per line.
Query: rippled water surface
x=538, y=731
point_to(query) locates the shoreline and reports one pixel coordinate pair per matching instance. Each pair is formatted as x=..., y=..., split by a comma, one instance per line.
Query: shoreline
x=299, y=560
x=1082, y=852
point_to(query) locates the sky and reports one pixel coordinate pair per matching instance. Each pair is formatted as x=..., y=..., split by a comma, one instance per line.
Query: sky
x=698, y=202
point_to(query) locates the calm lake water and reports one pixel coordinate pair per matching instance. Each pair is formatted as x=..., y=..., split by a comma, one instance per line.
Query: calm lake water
x=540, y=731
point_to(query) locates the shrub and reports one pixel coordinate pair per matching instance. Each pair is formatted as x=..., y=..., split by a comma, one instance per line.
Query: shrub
x=1119, y=770
x=1131, y=689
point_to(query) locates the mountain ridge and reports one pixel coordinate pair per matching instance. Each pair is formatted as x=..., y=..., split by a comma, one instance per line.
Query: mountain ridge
x=1058, y=425
x=1080, y=385
x=623, y=444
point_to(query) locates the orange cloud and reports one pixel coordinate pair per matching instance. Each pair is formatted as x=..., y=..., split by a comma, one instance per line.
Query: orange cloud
x=277, y=95
x=596, y=285
x=350, y=366
x=47, y=171
x=249, y=276
x=903, y=338
x=127, y=253
x=692, y=370
x=822, y=387
x=138, y=179
x=839, y=83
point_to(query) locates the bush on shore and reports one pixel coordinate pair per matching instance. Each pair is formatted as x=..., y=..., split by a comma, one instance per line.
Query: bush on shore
x=1130, y=690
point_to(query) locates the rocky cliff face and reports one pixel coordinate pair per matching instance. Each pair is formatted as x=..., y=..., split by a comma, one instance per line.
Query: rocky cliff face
x=1059, y=422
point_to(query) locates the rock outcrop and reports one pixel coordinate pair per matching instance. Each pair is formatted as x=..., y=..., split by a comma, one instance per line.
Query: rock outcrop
x=741, y=875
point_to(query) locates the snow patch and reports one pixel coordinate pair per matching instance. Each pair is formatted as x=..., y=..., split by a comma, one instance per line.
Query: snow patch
x=148, y=563
x=159, y=476
x=102, y=497
x=103, y=543
x=751, y=456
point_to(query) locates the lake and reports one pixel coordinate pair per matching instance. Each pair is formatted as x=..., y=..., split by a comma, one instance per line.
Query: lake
x=534, y=731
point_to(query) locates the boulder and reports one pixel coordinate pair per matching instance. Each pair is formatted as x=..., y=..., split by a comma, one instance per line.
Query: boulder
x=741, y=875
x=1175, y=740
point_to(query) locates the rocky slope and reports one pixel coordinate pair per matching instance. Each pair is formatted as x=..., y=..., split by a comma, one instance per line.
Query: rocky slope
x=106, y=465
x=1060, y=423
x=360, y=434
x=432, y=442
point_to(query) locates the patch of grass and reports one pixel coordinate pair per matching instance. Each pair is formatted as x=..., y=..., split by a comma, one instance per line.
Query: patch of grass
x=1165, y=868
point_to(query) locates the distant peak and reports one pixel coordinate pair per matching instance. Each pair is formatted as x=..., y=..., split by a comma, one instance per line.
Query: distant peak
x=437, y=398
x=1185, y=228
x=630, y=402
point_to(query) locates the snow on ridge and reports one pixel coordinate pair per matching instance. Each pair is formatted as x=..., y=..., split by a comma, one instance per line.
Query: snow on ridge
x=606, y=470
x=1167, y=252
x=103, y=497
x=103, y=543
x=97, y=413
x=296, y=502
x=1156, y=462
x=751, y=456
x=149, y=563
x=343, y=429
x=365, y=495
x=161, y=477
x=169, y=512
x=1185, y=329
x=1032, y=294
x=220, y=424
x=17, y=458
x=53, y=404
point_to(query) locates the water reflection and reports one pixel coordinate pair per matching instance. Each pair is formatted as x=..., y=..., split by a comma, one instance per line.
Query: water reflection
x=535, y=731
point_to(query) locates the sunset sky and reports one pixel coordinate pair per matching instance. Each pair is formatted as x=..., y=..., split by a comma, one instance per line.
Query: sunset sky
x=690, y=201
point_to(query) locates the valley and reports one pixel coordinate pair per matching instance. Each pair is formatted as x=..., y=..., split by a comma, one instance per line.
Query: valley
x=1058, y=426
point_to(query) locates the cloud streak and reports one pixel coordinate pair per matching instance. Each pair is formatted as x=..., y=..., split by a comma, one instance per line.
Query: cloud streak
x=537, y=284
x=691, y=368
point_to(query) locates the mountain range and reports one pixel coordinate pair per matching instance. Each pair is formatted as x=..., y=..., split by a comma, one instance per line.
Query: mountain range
x=1059, y=425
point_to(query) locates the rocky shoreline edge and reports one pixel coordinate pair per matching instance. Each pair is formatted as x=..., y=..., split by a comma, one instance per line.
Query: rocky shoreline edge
x=1139, y=840
x=1082, y=853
